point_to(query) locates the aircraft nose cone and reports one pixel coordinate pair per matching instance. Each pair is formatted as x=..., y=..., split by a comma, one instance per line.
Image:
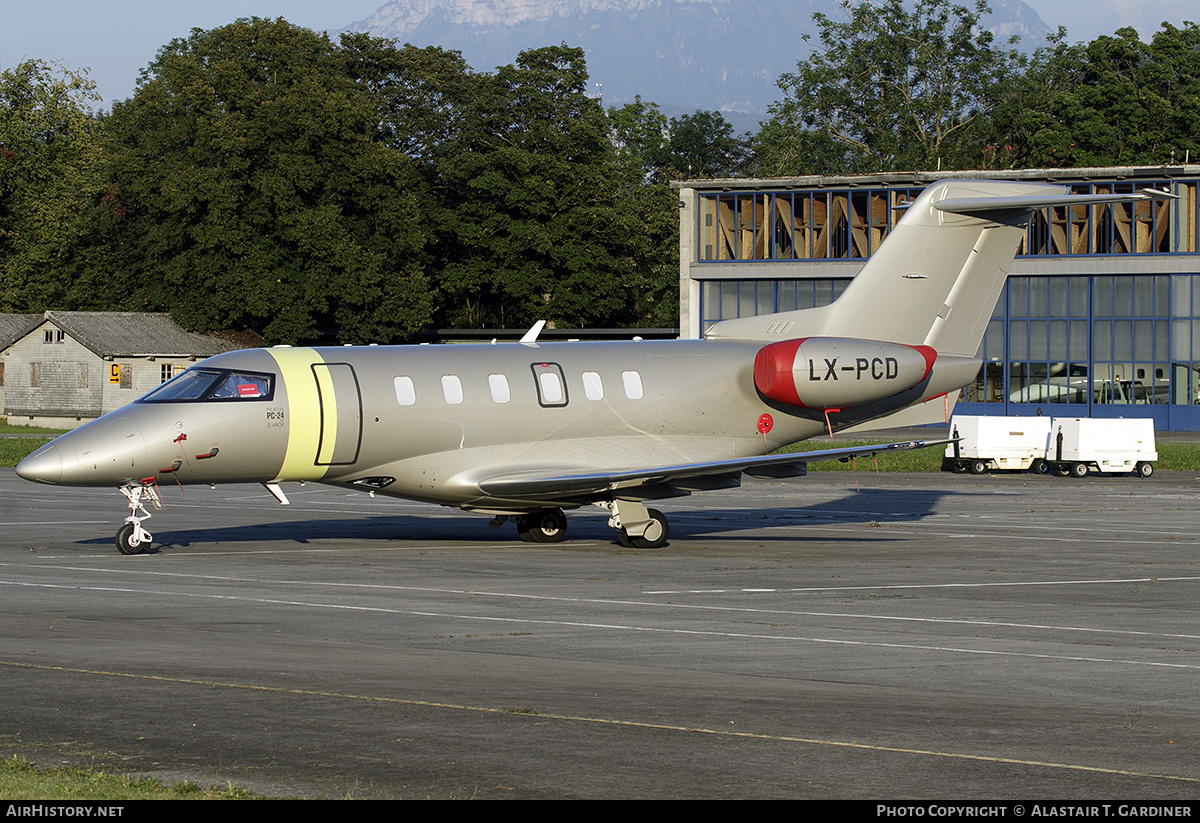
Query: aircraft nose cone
x=42, y=466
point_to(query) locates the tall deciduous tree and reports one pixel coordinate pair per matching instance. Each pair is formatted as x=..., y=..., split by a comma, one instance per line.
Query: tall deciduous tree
x=253, y=190
x=702, y=144
x=1113, y=101
x=49, y=171
x=890, y=88
x=530, y=225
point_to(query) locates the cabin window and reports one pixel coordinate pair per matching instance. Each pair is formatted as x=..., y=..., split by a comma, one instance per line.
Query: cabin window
x=406, y=392
x=452, y=389
x=633, y=384
x=552, y=390
x=498, y=383
x=593, y=386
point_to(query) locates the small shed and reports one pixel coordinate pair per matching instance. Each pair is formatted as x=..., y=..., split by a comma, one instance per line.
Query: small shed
x=70, y=367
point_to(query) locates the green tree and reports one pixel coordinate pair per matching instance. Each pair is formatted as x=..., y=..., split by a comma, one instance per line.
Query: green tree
x=1114, y=101
x=639, y=133
x=890, y=89
x=530, y=225
x=702, y=144
x=49, y=171
x=252, y=189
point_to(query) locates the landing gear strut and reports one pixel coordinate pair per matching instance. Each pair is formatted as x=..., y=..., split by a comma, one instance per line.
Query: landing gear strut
x=131, y=537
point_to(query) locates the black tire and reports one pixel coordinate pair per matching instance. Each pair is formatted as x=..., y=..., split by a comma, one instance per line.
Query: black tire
x=959, y=467
x=546, y=526
x=656, y=534
x=1143, y=469
x=125, y=542
x=1079, y=469
x=979, y=467
x=1038, y=466
x=1062, y=471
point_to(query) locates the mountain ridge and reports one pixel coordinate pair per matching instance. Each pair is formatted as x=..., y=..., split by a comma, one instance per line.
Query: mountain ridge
x=685, y=55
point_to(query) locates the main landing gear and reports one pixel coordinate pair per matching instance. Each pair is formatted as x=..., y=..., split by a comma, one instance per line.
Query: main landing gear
x=546, y=526
x=131, y=537
x=637, y=527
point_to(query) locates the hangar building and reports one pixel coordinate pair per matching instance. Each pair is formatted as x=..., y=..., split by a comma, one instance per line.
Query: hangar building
x=1101, y=310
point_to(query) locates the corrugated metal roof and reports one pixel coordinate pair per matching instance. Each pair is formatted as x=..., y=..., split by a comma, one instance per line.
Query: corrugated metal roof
x=15, y=326
x=134, y=334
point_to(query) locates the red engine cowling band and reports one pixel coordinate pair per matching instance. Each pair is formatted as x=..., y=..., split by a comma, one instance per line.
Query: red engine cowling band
x=835, y=373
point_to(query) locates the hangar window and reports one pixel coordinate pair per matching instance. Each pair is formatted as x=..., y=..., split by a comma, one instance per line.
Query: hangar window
x=498, y=383
x=593, y=386
x=452, y=389
x=406, y=393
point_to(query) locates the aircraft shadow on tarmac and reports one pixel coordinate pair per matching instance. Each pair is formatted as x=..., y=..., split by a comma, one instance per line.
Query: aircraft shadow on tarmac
x=857, y=506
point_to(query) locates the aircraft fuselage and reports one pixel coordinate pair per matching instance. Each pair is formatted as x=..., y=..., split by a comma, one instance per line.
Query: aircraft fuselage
x=429, y=422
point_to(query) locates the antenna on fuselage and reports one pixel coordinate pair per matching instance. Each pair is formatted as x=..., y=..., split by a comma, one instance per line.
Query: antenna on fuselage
x=534, y=330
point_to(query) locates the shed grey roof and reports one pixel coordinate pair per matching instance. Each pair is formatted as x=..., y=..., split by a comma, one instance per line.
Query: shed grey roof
x=15, y=326
x=134, y=334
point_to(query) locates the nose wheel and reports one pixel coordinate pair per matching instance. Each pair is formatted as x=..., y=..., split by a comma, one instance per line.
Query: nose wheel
x=131, y=537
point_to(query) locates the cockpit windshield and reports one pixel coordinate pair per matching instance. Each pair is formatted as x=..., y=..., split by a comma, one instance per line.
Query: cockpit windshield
x=202, y=384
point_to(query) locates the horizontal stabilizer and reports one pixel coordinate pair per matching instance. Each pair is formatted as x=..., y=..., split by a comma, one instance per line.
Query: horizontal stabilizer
x=986, y=206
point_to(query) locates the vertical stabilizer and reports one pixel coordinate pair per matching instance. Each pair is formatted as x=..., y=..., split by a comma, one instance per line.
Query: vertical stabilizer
x=934, y=281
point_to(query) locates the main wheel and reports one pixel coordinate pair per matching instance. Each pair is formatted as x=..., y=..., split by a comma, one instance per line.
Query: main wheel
x=978, y=466
x=656, y=533
x=126, y=543
x=547, y=526
x=1143, y=469
x=1038, y=466
x=1079, y=469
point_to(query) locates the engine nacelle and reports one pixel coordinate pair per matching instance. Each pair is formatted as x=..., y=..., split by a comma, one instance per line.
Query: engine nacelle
x=832, y=373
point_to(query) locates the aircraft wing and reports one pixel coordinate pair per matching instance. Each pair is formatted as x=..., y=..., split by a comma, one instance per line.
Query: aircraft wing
x=544, y=485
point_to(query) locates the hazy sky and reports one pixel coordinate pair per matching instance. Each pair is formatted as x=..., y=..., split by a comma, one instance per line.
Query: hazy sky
x=118, y=38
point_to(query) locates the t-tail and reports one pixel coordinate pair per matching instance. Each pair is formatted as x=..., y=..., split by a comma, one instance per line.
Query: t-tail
x=919, y=306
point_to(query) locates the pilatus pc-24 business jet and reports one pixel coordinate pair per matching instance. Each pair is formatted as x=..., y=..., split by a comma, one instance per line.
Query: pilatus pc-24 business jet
x=525, y=430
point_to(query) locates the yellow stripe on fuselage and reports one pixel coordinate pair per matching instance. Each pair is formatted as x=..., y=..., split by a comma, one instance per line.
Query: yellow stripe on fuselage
x=304, y=413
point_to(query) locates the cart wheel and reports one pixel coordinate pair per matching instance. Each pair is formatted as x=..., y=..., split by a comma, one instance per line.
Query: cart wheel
x=1143, y=469
x=1038, y=466
x=1079, y=469
x=978, y=466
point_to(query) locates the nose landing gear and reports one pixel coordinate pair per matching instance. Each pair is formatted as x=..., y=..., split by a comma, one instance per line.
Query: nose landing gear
x=131, y=537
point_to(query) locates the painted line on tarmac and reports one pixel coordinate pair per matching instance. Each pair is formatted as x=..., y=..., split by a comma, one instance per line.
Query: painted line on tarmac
x=633, y=724
x=701, y=606
x=576, y=624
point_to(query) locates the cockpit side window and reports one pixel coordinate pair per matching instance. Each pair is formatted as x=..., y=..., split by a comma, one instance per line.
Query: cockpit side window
x=203, y=384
